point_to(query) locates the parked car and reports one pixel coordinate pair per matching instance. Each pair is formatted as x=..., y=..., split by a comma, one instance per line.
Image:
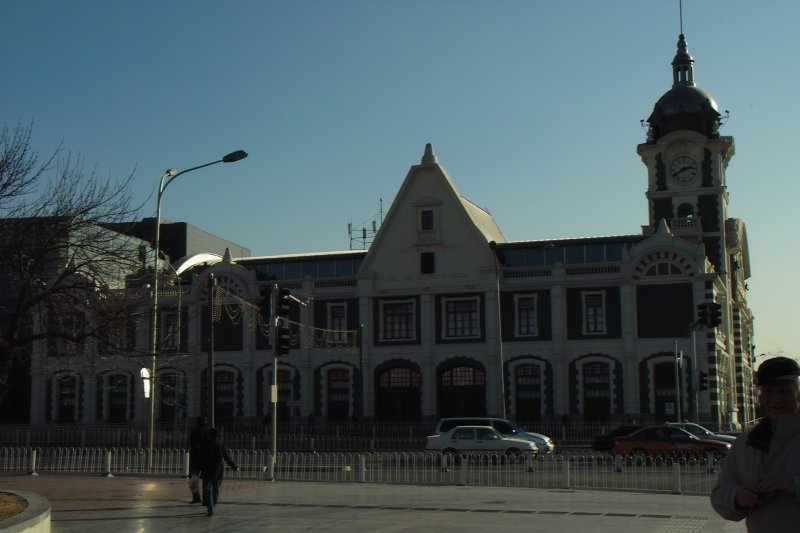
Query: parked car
x=604, y=443
x=655, y=440
x=699, y=431
x=504, y=427
x=477, y=439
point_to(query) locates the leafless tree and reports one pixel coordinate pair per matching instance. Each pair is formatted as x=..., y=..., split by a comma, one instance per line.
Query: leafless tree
x=62, y=269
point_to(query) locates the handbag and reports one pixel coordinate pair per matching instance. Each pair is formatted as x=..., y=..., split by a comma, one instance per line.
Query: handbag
x=194, y=483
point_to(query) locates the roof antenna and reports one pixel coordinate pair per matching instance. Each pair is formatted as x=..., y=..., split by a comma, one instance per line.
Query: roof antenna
x=680, y=13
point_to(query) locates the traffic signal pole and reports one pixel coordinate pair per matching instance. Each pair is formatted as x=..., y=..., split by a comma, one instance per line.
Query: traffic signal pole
x=695, y=376
x=273, y=394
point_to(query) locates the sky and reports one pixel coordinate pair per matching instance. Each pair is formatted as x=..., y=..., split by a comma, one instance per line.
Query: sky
x=532, y=106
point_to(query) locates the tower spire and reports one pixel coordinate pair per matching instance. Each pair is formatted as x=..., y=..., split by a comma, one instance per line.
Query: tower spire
x=682, y=65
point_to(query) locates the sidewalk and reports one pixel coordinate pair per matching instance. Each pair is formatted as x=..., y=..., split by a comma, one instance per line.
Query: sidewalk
x=134, y=504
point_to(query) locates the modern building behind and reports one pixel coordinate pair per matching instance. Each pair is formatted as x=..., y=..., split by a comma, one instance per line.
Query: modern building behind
x=442, y=316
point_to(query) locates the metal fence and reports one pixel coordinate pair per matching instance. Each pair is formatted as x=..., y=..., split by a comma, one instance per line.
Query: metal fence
x=689, y=475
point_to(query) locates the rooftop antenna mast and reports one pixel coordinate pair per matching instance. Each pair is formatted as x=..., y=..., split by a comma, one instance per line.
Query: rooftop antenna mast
x=361, y=238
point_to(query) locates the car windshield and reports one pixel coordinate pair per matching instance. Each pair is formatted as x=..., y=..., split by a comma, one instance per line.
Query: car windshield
x=506, y=428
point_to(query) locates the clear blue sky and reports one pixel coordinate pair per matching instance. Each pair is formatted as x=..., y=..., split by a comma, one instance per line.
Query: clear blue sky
x=532, y=106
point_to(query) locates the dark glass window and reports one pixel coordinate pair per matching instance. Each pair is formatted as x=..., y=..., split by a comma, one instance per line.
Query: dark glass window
x=398, y=321
x=554, y=255
x=293, y=271
x=462, y=318
x=574, y=255
x=463, y=376
x=310, y=269
x=275, y=271
x=595, y=253
x=514, y=258
x=594, y=313
x=400, y=377
x=614, y=252
x=326, y=269
x=526, y=315
x=536, y=258
x=427, y=263
x=426, y=219
x=344, y=268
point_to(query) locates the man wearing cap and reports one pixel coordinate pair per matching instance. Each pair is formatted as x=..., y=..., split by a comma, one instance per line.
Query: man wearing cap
x=760, y=480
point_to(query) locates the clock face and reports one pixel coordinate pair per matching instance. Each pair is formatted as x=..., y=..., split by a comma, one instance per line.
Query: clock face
x=683, y=169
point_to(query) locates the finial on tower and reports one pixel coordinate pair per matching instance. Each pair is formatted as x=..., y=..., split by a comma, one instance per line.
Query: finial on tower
x=429, y=158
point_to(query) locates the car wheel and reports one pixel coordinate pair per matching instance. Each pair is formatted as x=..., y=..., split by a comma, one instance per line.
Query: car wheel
x=513, y=452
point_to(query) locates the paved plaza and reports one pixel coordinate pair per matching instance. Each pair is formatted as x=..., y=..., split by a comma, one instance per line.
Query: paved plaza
x=136, y=504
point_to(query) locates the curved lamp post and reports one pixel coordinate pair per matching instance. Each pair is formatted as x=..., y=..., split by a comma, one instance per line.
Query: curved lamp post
x=168, y=177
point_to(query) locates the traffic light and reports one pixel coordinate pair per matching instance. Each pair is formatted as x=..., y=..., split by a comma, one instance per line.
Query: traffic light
x=702, y=314
x=703, y=380
x=283, y=336
x=282, y=302
x=714, y=315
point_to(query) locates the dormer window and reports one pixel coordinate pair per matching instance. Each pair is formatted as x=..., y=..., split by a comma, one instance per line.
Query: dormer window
x=426, y=220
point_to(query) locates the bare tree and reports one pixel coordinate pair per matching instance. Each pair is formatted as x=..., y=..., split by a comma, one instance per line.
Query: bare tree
x=62, y=268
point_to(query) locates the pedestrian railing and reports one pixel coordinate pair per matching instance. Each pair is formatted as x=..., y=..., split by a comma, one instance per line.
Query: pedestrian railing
x=679, y=475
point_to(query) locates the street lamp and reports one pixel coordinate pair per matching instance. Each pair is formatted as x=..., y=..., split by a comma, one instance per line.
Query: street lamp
x=168, y=177
x=493, y=247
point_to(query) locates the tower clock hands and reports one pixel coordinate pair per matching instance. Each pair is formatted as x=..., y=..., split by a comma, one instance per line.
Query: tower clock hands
x=677, y=172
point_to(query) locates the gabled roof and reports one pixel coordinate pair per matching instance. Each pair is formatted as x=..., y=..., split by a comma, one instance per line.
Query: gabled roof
x=481, y=220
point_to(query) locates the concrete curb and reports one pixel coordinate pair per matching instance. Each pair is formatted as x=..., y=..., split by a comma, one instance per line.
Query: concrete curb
x=34, y=519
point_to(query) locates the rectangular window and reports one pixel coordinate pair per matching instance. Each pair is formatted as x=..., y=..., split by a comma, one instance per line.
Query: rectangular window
x=462, y=319
x=594, y=312
x=427, y=263
x=397, y=321
x=170, y=335
x=337, y=322
x=426, y=220
x=527, y=325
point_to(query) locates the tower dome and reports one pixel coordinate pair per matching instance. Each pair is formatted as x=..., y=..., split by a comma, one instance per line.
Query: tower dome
x=685, y=106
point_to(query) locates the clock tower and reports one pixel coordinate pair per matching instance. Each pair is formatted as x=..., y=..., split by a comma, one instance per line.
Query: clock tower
x=686, y=160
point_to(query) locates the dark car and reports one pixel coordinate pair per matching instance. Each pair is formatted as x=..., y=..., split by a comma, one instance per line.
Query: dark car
x=666, y=440
x=700, y=432
x=604, y=443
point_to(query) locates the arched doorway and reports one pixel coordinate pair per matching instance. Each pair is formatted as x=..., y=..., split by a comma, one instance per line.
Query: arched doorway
x=664, y=391
x=527, y=392
x=118, y=395
x=339, y=393
x=596, y=391
x=461, y=389
x=398, y=392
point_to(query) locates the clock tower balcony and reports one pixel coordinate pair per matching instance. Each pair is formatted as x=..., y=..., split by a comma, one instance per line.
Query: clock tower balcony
x=680, y=226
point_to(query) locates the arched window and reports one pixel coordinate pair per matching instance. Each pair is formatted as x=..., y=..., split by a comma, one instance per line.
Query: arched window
x=664, y=269
x=685, y=211
x=118, y=396
x=665, y=392
x=338, y=394
x=169, y=397
x=224, y=395
x=66, y=393
x=596, y=391
x=528, y=392
x=398, y=395
x=462, y=391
